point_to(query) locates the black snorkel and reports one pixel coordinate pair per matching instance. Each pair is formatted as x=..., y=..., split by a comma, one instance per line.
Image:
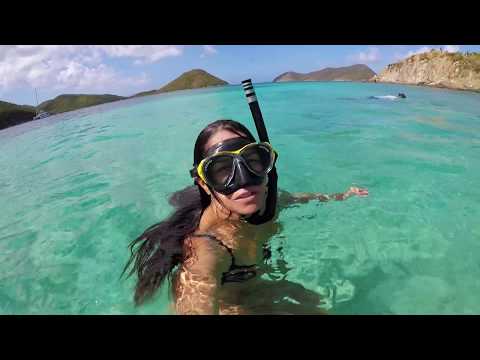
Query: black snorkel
x=271, y=201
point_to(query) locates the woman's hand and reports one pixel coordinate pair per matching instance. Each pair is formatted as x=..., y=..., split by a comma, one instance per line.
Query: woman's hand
x=357, y=191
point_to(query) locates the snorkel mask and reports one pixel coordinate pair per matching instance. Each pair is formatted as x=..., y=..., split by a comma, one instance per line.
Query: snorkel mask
x=234, y=164
x=238, y=163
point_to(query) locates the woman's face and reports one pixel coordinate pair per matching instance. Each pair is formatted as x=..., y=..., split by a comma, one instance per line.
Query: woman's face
x=244, y=201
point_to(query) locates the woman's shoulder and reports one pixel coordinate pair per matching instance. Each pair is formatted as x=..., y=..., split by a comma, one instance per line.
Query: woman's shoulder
x=205, y=240
x=207, y=251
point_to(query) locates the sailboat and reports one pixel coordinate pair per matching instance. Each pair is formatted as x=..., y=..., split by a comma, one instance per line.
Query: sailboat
x=39, y=114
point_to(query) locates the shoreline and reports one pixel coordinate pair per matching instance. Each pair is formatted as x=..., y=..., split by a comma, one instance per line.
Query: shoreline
x=476, y=91
x=130, y=98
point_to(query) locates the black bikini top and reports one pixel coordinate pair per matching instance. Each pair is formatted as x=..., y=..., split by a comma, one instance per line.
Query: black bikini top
x=238, y=273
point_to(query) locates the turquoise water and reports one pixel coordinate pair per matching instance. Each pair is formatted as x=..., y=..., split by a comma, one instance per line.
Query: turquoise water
x=77, y=188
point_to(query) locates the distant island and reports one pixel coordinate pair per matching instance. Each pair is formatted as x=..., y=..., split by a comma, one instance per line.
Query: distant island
x=70, y=102
x=193, y=79
x=435, y=68
x=13, y=114
x=358, y=72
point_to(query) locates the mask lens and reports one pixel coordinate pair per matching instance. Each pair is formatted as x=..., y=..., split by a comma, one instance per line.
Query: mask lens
x=258, y=158
x=219, y=169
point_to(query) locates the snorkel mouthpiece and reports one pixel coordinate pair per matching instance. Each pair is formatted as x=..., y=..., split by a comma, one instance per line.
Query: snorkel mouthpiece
x=242, y=178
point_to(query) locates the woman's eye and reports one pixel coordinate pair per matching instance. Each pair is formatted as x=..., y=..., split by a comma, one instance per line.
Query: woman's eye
x=252, y=157
x=223, y=170
x=256, y=165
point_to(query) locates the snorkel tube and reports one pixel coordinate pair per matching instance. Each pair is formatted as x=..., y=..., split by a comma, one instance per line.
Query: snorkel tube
x=271, y=201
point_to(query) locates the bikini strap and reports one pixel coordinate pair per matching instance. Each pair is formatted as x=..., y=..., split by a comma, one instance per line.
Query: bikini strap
x=211, y=237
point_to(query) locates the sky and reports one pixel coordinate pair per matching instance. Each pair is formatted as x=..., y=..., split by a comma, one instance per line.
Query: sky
x=128, y=69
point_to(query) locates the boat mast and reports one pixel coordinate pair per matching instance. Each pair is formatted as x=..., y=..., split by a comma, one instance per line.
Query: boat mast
x=36, y=99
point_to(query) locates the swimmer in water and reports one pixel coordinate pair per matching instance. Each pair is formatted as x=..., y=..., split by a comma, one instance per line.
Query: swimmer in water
x=389, y=97
x=207, y=248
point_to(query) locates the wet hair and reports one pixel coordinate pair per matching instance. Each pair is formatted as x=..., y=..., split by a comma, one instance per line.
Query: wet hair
x=160, y=249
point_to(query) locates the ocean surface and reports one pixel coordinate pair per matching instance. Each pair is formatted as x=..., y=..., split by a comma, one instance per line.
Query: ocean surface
x=77, y=188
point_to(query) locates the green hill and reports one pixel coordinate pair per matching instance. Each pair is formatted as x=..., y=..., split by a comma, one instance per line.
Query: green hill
x=146, y=93
x=192, y=79
x=357, y=72
x=69, y=102
x=13, y=114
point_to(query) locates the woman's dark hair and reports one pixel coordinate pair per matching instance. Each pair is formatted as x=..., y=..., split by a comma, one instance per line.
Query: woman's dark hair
x=156, y=253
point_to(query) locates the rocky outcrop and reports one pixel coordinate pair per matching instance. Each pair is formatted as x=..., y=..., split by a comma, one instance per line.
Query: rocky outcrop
x=435, y=68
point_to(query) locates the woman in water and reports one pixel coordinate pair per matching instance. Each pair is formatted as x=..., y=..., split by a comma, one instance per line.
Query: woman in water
x=212, y=256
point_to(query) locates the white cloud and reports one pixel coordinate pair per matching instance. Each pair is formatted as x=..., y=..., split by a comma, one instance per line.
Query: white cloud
x=143, y=53
x=424, y=49
x=75, y=67
x=208, y=50
x=419, y=51
x=30, y=65
x=451, y=48
x=398, y=56
x=101, y=78
x=371, y=55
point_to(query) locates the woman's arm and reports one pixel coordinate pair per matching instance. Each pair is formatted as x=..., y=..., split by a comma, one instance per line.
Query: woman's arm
x=286, y=198
x=199, y=280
